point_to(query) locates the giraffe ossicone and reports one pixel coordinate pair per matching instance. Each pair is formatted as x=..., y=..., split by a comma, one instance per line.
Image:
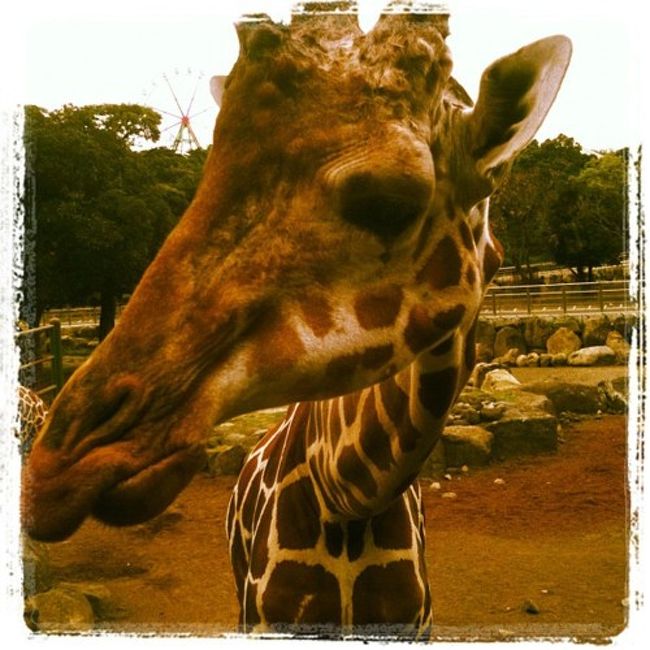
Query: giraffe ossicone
x=335, y=255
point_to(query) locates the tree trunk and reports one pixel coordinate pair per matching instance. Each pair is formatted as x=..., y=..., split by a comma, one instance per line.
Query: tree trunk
x=107, y=311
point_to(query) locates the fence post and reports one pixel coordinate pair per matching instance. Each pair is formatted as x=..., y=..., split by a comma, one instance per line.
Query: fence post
x=57, y=355
x=528, y=301
x=494, y=302
x=600, y=298
x=564, y=298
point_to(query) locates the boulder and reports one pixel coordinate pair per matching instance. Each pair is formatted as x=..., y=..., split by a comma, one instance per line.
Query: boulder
x=616, y=341
x=563, y=341
x=480, y=370
x=500, y=380
x=597, y=355
x=613, y=400
x=576, y=398
x=545, y=360
x=462, y=411
x=537, y=331
x=485, y=335
x=466, y=445
x=508, y=338
x=570, y=322
x=492, y=411
x=559, y=359
x=523, y=431
x=225, y=459
x=509, y=358
x=595, y=331
x=530, y=360
x=60, y=609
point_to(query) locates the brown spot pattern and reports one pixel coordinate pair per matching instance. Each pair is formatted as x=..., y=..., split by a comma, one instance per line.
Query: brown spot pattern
x=250, y=502
x=466, y=236
x=392, y=528
x=356, y=532
x=437, y=390
x=371, y=359
x=443, y=268
x=420, y=332
x=350, y=405
x=353, y=469
x=277, y=346
x=298, y=516
x=295, y=447
x=491, y=263
x=373, y=603
x=333, y=538
x=449, y=318
x=260, y=549
x=470, y=275
x=477, y=233
x=378, y=307
x=395, y=403
x=444, y=347
x=317, y=314
x=374, y=441
x=252, y=615
x=283, y=603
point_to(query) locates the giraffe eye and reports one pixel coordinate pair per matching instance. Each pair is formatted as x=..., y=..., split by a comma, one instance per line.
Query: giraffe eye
x=383, y=205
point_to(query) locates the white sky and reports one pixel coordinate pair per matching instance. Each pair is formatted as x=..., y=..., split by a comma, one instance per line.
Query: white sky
x=89, y=52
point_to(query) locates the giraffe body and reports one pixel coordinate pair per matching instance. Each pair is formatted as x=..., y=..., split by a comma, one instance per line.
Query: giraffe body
x=336, y=253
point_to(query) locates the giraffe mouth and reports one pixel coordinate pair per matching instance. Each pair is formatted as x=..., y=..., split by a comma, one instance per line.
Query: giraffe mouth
x=150, y=491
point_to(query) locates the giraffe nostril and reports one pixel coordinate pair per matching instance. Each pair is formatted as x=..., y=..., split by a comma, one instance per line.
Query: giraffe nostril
x=384, y=204
x=112, y=413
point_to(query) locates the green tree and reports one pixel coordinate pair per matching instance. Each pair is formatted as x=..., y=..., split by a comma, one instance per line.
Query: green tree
x=101, y=209
x=588, y=223
x=522, y=208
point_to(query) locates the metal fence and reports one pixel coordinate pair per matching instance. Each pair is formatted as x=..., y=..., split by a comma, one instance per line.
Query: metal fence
x=77, y=315
x=41, y=359
x=578, y=298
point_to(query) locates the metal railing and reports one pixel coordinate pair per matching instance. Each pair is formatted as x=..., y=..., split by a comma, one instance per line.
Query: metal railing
x=76, y=315
x=578, y=298
x=35, y=355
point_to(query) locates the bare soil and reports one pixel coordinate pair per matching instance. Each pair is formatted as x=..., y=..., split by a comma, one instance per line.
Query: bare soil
x=542, y=554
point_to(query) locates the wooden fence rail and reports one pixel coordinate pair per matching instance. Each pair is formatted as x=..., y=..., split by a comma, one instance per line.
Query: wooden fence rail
x=578, y=298
x=40, y=347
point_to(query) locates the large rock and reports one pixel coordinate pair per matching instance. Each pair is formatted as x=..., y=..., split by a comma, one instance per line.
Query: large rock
x=225, y=460
x=485, y=335
x=616, y=341
x=537, y=331
x=509, y=358
x=508, y=338
x=597, y=355
x=480, y=370
x=59, y=610
x=577, y=398
x=435, y=465
x=499, y=380
x=563, y=341
x=595, y=331
x=467, y=445
x=523, y=431
x=614, y=401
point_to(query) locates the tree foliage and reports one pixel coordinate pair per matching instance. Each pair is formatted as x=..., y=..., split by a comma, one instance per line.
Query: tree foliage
x=560, y=203
x=101, y=209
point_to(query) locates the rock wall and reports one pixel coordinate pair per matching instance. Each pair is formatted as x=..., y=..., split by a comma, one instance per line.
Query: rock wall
x=555, y=340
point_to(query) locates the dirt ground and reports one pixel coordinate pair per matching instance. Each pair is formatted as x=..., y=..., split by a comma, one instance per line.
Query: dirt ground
x=543, y=554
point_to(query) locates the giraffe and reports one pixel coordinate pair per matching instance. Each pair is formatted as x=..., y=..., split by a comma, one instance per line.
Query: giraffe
x=31, y=414
x=336, y=251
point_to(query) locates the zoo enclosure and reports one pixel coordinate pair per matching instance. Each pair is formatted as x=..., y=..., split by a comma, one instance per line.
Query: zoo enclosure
x=577, y=298
x=41, y=359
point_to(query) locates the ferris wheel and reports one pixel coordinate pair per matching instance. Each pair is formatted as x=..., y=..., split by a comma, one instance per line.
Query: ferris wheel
x=182, y=98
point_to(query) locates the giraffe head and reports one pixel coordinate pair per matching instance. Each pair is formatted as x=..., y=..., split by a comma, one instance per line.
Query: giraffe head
x=339, y=231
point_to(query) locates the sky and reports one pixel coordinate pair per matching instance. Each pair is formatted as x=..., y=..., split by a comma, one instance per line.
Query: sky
x=70, y=51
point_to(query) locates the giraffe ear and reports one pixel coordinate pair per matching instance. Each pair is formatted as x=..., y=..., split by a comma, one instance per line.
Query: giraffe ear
x=515, y=94
x=217, y=85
